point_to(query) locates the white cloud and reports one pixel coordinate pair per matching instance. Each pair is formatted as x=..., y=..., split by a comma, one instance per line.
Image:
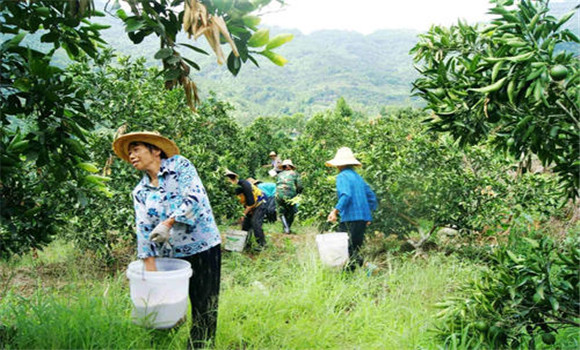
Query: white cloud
x=367, y=16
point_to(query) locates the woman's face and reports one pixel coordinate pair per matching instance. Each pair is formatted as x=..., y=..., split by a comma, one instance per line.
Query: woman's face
x=141, y=157
x=232, y=181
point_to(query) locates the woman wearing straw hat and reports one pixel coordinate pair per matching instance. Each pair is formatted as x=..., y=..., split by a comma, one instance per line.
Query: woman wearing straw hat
x=275, y=163
x=356, y=200
x=288, y=186
x=174, y=218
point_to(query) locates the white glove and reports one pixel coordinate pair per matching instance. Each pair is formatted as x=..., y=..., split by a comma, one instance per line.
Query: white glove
x=160, y=234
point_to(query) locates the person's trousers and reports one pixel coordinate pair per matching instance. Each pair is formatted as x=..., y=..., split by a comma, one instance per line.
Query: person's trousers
x=287, y=209
x=254, y=221
x=204, y=287
x=356, y=235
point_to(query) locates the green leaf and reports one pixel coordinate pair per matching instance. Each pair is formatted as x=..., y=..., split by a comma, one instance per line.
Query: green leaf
x=15, y=40
x=163, y=53
x=42, y=11
x=90, y=167
x=274, y=57
x=98, y=26
x=513, y=257
x=191, y=63
x=555, y=304
x=532, y=242
x=259, y=38
x=496, y=69
x=132, y=25
x=122, y=14
x=490, y=88
x=279, y=40
x=172, y=74
x=234, y=64
x=251, y=21
x=197, y=49
x=565, y=18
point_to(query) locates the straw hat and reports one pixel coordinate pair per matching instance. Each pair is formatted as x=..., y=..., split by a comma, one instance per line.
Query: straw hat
x=230, y=173
x=289, y=163
x=344, y=156
x=272, y=154
x=121, y=144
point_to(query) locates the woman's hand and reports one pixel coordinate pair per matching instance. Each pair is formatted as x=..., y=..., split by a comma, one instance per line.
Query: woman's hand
x=150, y=264
x=160, y=233
x=332, y=217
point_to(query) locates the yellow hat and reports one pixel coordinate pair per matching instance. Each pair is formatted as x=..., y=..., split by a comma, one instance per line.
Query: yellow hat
x=344, y=156
x=121, y=144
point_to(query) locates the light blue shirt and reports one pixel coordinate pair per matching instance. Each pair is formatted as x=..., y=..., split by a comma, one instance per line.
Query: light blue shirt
x=268, y=188
x=181, y=195
x=356, y=200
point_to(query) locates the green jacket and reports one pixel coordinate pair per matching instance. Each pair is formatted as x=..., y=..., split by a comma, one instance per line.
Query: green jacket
x=288, y=184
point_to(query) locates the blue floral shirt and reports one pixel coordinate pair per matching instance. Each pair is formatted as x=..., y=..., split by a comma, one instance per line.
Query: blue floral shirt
x=181, y=195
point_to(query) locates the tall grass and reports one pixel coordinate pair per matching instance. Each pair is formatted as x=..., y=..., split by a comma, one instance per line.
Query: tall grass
x=281, y=298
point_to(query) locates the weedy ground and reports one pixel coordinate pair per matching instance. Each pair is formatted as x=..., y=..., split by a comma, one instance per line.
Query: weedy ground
x=280, y=298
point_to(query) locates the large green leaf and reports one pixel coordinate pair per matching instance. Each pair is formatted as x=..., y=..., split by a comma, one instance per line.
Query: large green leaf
x=259, y=38
x=279, y=40
x=274, y=57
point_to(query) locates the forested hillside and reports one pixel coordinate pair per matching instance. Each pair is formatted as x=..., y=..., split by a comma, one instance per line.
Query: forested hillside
x=369, y=71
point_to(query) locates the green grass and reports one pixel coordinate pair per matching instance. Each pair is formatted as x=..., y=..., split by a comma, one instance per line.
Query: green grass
x=281, y=298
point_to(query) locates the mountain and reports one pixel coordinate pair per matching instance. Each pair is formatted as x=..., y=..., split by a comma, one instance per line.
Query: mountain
x=369, y=71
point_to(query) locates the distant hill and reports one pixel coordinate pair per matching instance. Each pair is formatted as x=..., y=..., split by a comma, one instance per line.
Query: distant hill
x=369, y=71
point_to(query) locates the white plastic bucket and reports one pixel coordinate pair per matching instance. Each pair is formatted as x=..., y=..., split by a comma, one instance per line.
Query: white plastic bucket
x=333, y=248
x=159, y=297
x=235, y=240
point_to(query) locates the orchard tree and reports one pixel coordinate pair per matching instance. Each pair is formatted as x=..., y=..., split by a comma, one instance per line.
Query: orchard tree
x=43, y=118
x=507, y=81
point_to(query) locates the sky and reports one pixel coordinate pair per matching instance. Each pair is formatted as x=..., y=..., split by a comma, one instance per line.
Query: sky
x=367, y=16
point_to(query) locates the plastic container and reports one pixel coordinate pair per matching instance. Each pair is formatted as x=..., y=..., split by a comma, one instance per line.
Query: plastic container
x=159, y=297
x=235, y=240
x=333, y=248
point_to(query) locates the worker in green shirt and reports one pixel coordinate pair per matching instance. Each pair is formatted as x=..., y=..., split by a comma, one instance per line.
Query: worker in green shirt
x=288, y=186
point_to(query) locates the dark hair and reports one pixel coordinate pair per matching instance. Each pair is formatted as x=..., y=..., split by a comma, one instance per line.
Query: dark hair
x=231, y=176
x=149, y=146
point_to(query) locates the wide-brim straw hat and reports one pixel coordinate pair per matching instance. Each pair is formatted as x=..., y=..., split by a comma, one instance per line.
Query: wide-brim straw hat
x=253, y=181
x=121, y=144
x=230, y=173
x=272, y=154
x=288, y=162
x=343, y=157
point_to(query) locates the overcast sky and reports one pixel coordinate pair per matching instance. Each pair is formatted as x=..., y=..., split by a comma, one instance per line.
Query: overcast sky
x=367, y=16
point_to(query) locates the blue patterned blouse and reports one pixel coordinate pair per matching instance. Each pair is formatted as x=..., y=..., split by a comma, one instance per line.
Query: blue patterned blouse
x=181, y=195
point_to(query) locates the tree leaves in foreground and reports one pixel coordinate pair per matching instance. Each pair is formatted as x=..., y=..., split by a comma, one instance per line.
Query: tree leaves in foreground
x=42, y=118
x=530, y=291
x=507, y=81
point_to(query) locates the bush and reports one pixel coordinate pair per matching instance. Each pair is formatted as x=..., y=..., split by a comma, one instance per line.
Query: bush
x=530, y=291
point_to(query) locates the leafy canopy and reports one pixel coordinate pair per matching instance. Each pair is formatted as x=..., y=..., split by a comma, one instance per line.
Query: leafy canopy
x=508, y=82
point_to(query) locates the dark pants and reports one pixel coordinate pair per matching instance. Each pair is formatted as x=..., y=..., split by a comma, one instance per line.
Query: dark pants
x=356, y=235
x=287, y=209
x=204, y=287
x=254, y=221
